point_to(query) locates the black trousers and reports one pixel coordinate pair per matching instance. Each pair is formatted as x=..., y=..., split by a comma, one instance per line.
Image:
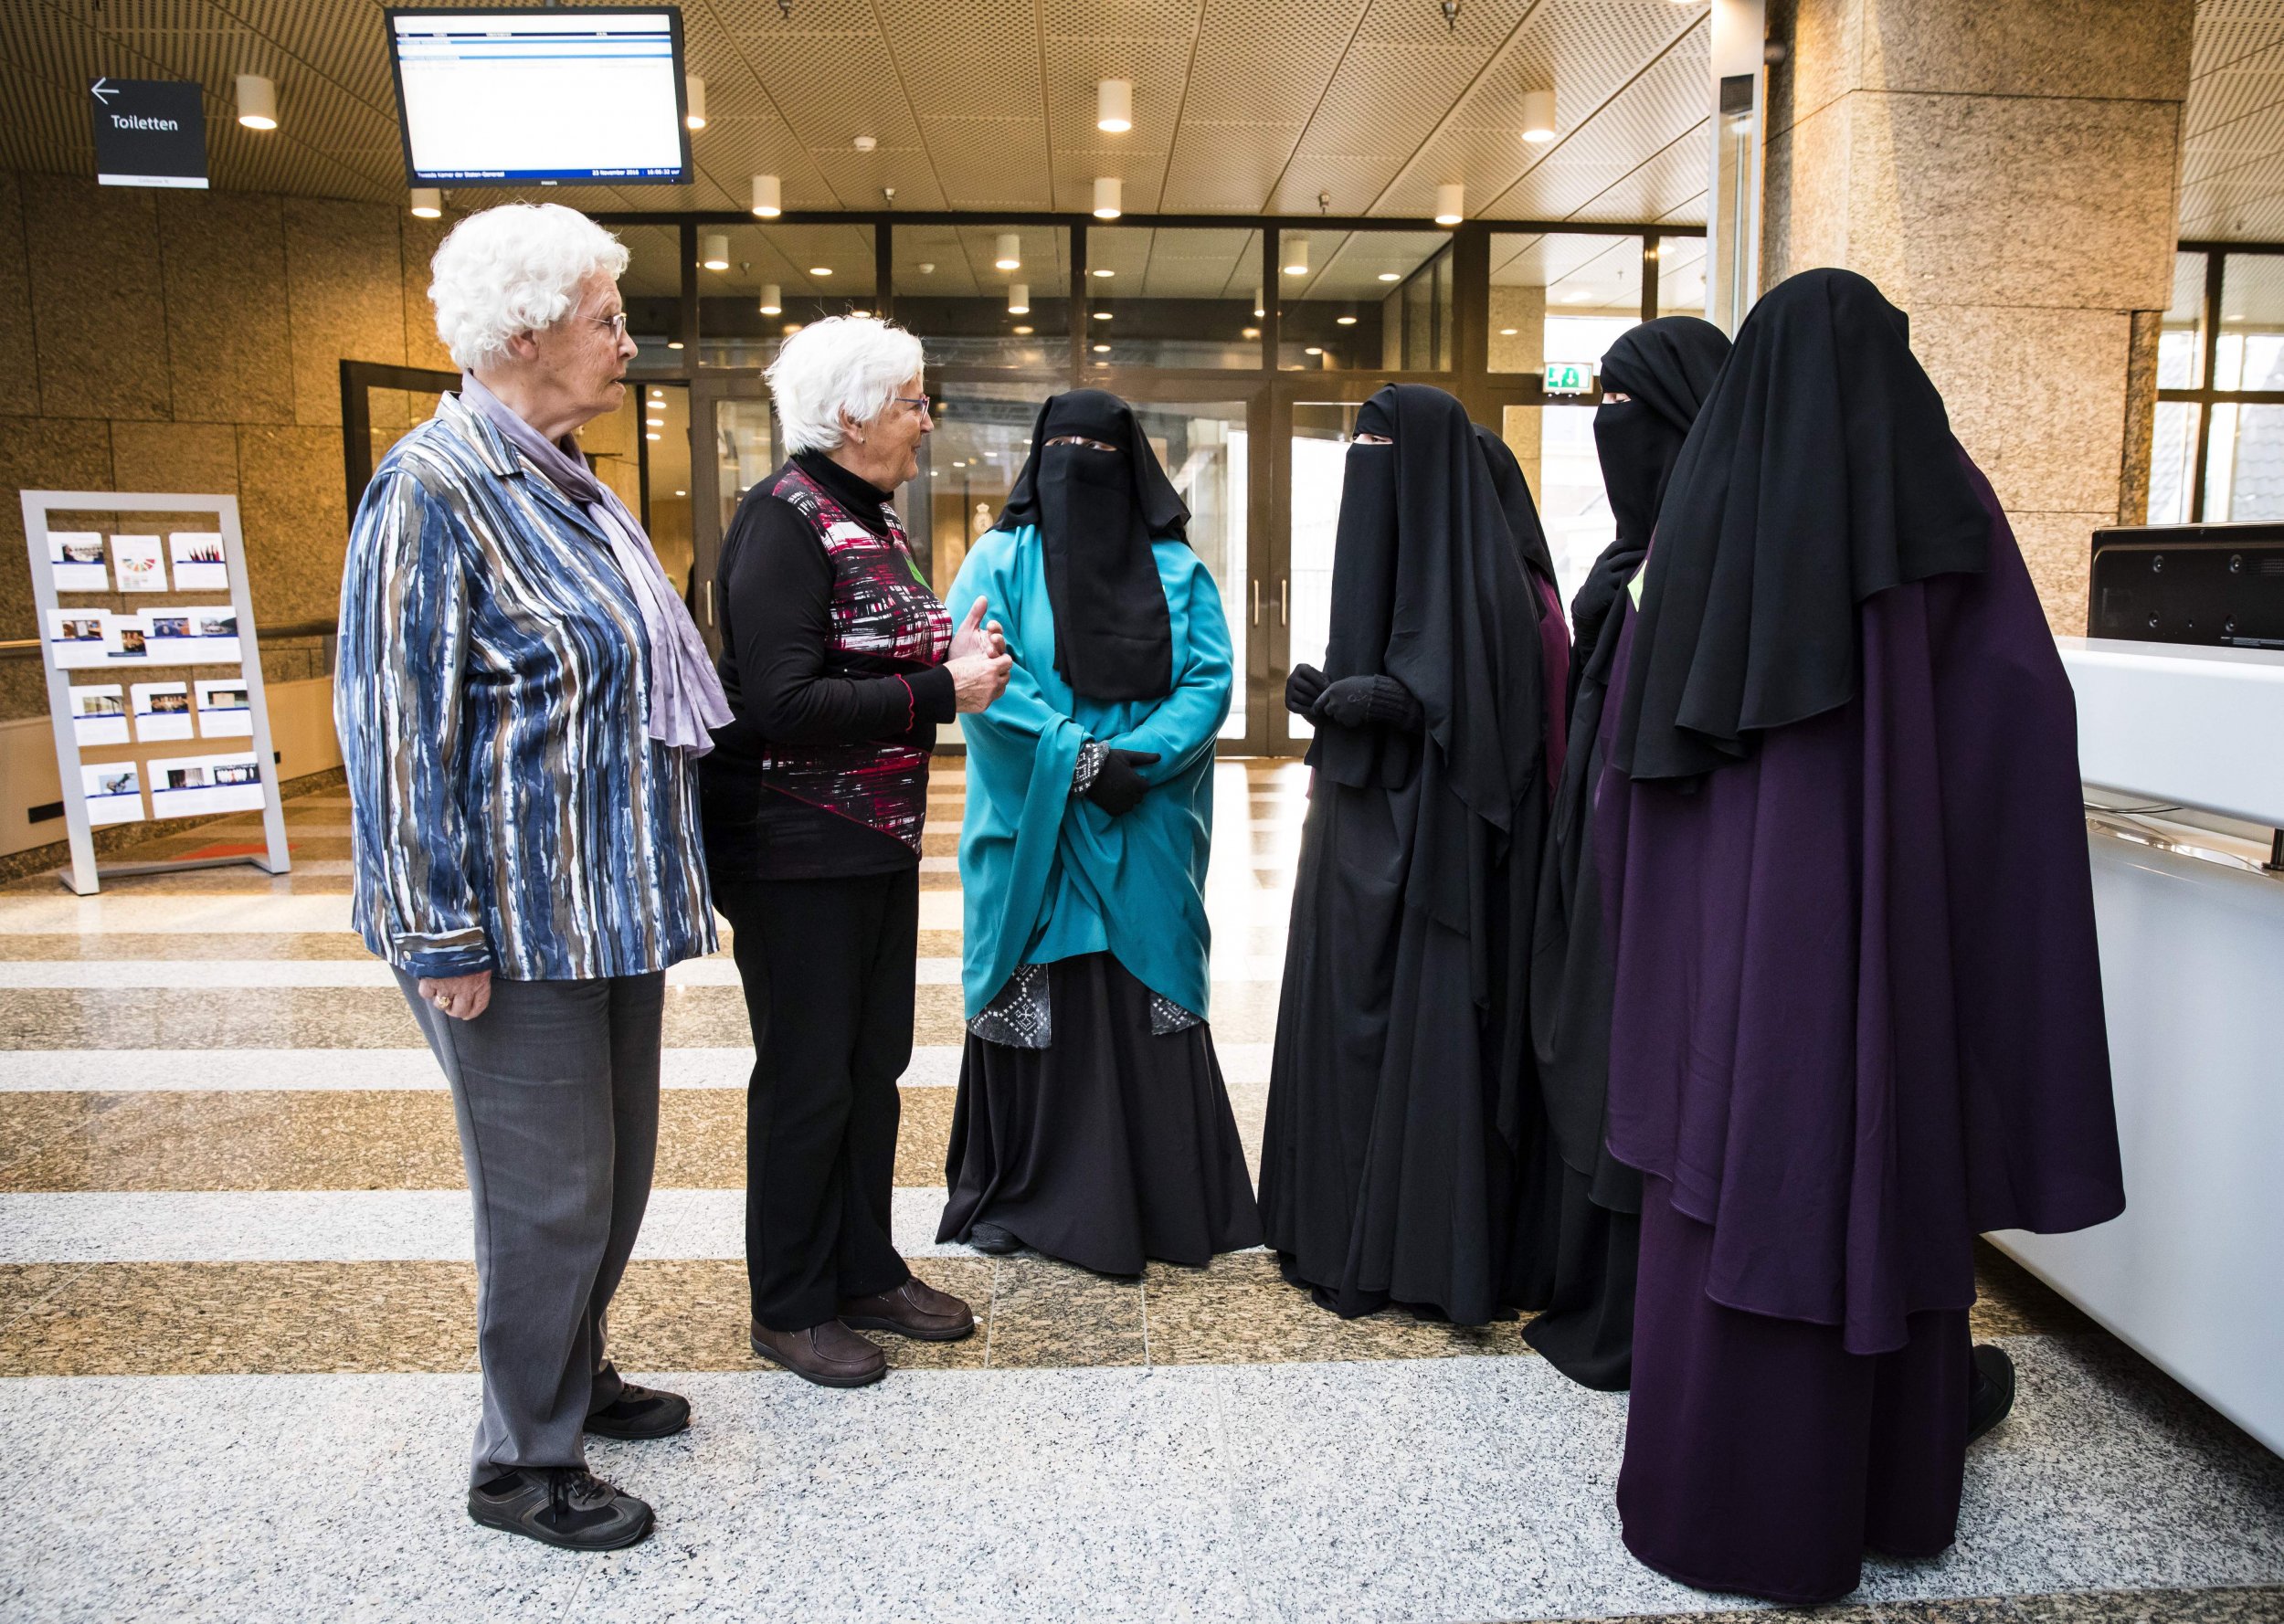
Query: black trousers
x=828, y=969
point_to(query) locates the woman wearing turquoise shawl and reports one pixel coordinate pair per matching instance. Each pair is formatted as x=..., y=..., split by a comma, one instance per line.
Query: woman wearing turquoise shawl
x=1092, y=1122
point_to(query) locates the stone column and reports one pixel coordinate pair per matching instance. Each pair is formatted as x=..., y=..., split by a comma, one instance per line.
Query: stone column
x=2008, y=171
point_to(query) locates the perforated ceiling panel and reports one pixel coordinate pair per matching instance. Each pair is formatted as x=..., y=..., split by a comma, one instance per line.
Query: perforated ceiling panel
x=2232, y=183
x=1358, y=106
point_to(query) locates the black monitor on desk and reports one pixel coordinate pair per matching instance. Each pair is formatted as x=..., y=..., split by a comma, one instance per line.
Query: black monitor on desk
x=2221, y=585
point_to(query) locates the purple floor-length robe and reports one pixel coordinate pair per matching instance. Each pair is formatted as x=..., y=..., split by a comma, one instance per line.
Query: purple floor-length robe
x=1857, y=1020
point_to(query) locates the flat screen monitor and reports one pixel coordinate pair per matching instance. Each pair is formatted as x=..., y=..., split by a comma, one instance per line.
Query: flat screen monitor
x=490, y=97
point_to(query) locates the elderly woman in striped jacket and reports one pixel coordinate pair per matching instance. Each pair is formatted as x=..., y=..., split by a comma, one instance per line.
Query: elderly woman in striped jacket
x=521, y=698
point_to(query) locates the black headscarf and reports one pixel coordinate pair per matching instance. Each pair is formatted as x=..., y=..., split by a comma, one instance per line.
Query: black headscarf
x=1522, y=513
x=1426, y=588
x=1668, y=366
x=1097, y=514
x=1821, y=470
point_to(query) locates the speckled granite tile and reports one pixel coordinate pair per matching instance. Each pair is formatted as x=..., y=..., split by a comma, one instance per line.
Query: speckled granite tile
x=204, y=1319
x=2250, y=1604
x=329, y=946
x=201, y=456
x=1046, y=1312
x=2010, y=1301
x=19, y=363
x=319, y=1017
x=291, y=504
x=357, y=1140
x=98, y=300
x=1238, y=1310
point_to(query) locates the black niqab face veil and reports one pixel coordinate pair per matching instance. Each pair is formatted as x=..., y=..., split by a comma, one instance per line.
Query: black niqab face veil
x=1097, y=513
x=1427, y=588
x=1822, y=470
x=1522, y=513
x=1667, y=367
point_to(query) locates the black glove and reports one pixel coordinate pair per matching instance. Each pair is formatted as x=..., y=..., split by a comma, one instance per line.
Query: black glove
x=1354, y=702
x=1118, y=789
x=1302, y=689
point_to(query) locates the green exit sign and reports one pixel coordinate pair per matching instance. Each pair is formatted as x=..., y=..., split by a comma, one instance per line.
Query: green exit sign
x=1570, y=377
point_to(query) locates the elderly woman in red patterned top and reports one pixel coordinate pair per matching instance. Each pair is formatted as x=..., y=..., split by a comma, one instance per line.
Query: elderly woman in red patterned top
x=840, y=664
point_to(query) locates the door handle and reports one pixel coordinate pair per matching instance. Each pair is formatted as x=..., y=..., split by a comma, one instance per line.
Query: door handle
x=1284, y=586
x=708, y=586
x=1256, y=603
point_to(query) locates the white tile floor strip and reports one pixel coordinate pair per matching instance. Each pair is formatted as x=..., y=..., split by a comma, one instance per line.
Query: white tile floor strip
x=362, y=1226
x=1200, y=1493
x=265, y=914
x=143, y=1071
x=718, y=970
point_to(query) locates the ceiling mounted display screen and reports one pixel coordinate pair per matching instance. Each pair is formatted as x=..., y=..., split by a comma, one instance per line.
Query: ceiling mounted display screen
x=490, y=97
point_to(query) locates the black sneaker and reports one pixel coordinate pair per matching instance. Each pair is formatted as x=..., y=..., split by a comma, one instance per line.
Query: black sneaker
x=1989, y=1390
x=561, y=1505
x=994, y=1239
x=641, y=1412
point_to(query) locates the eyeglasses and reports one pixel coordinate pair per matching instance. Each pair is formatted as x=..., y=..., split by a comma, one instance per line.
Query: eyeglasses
x=616, y=325
x=918, y=402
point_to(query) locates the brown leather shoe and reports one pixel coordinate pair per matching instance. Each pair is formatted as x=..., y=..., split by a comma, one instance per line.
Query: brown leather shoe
x=914, y=1309
x=830, y=1355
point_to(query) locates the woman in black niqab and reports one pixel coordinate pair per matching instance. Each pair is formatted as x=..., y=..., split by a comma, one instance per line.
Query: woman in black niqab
x=1396, y=1090
x=1587, y=1226
x=1112, y=637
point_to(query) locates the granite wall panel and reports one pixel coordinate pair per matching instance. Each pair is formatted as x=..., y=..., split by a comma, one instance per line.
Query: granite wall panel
x=41, y=454
x=20, y=362
x=422, y=347
x=225, y=306
x=198, y=459
x=294, y=509
x=2136, y=49
x=98, y=306
x=2036, y=395
x=345, y=297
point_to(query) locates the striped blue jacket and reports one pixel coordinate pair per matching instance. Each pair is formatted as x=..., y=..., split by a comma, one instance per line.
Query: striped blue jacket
x=510, y=811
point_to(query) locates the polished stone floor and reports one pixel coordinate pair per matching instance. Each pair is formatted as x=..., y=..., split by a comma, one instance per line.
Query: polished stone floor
x=237, y=1344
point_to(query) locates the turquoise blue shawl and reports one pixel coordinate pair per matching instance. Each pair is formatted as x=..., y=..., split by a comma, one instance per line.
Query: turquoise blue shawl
x=1049, y=876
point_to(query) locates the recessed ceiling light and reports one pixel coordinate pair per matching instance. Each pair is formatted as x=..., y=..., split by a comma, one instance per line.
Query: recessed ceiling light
x=861, y=315
x=686, y=493
x=1105, y=271
x=1102, y=349
x=1024, y=331
x=1344, y=321
x=1391, y=276
x=927, y=268
x=864, y=143
x=1113, y=105
x=1250, y=332
x=1312, y=350
x=1102, y=315
x=820, y=270
x=653, y=422
x=650, y=436
x=1507, y=333
x=673, y=343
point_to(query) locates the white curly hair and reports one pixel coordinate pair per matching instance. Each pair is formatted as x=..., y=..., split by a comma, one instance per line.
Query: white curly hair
x=513, y=269
x=841, y=364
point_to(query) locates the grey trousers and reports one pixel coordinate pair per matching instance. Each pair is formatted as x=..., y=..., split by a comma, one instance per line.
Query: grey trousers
x=555, y=1090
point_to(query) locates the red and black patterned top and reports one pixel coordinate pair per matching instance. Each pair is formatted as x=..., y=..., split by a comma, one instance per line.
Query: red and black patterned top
x=832, y=657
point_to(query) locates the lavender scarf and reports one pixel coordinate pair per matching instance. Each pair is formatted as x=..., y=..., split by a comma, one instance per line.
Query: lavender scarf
x=686, y=697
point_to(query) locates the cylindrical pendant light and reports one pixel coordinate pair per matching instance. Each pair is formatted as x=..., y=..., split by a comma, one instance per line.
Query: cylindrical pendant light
x=427, y=203
x=1296, y=255
x=768, y=198
x=1261, y=305
x=1108, y=190
x=693, y=101
x=256, y=102
x=1019, y=298
x=1451, y=203
x=1113, y=105
x=772, y=300
x=1537, y=115
x=1009, y=251
x=716, y=256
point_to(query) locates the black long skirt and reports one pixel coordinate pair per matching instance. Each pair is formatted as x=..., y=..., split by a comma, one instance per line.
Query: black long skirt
x=1108, y=1148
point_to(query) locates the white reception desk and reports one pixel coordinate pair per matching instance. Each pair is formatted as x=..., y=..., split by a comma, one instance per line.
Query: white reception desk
x=2193, y=976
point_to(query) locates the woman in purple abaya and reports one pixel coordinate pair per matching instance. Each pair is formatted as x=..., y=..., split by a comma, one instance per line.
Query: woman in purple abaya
x=1857, y=1017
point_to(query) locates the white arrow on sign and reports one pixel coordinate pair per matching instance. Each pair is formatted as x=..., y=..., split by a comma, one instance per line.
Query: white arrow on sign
x=100, y=93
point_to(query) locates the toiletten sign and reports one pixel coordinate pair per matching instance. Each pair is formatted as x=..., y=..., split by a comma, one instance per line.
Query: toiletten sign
x=148, y=132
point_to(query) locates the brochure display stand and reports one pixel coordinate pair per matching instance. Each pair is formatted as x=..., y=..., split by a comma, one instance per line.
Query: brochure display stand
x=180, y=670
